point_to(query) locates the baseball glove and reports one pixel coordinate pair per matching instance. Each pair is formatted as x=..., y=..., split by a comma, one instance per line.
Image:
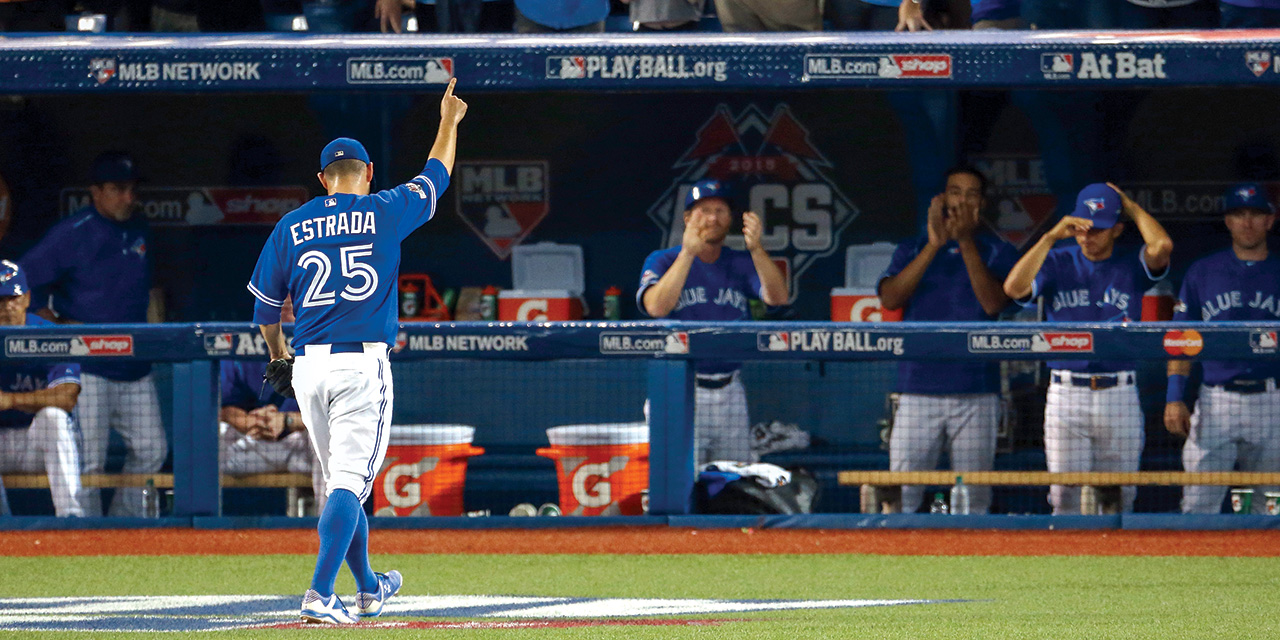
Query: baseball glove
x=280, y=375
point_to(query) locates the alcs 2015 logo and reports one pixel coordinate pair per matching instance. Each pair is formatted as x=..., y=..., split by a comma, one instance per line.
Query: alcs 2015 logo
x=773, y=169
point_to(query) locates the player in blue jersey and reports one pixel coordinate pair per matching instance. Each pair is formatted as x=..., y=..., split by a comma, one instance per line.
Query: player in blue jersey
x=1237, y=419
x=37, y=405
x=1092, y=419
x=338, y=256
x=953, y=274
x=262, y=431
x=95, y=266
x=704, y=280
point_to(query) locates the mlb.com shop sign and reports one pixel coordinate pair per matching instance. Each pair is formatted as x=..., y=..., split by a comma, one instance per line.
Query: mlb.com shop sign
x=86, y=345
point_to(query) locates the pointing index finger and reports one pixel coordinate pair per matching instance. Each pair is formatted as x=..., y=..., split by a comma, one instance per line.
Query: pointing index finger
x=448, y=93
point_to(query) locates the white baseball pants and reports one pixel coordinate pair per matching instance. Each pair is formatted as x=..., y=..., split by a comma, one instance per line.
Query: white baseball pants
x=48, y=445
x=721, y=426
x=965, y=424
x=133, y=410
x=346, y=399
x=1229, y=427
x=1092, y=430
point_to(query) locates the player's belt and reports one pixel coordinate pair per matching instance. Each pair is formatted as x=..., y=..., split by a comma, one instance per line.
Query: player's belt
x=1096, y=382
x=1249, y=386
x=713, y=382
x=339, y=347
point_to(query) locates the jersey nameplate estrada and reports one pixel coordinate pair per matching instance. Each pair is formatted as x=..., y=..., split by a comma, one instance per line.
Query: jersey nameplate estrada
x=773, y=169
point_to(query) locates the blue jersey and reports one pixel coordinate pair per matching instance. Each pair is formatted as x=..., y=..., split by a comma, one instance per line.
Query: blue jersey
x=1222, y=287
x=721, y=290
x=339, y=257
x=25, y=377
x=242, y=387
x=1077, y=289
x=945, y=294
x=98, y=271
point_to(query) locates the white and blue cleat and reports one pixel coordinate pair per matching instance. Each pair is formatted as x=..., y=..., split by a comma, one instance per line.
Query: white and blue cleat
x=317, y=609
x=369, y=605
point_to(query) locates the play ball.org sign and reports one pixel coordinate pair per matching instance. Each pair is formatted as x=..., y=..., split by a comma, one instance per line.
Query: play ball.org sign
x=773, y=168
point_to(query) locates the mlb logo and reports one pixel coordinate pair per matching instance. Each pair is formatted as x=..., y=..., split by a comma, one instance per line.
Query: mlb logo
x=1057, y=62
x=773, y=341
x=402, y=341
x=566, y=67
x=1263, y=340
x=1258, y=61
x=1246, y=192
x=677, y=342
x=102, y=69
x=1095, y=205
x=331, y=202
x=413, y=186
x=218, y=343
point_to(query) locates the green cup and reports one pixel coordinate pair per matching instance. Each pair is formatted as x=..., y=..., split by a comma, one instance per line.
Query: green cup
x=1242, y=501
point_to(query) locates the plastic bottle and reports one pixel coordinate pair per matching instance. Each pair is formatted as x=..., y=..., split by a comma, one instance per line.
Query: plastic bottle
x=939, y=504
x=612, y=307
x=150, y=500
x=489, y=303
x=960, y=498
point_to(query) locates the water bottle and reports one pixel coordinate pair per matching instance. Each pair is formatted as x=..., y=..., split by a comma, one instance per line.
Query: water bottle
x=939, y=504
x=489, y=303
x=150, y=500
x=960, y=498
x=612, y=306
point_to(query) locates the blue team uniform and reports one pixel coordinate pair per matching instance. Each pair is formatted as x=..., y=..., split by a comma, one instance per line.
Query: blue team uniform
x=98, y=271
x=242, y=387
x=719, y=291
x=1077, y=289
x=1222, y=287
x=945, y=294
x=24, y=377
x=338, y=256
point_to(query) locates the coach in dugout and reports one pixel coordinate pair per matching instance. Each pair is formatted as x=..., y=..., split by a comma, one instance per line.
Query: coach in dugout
x=1237, y=419
x=262, y=431
x=953, y=273
x=94, y=267
x=1092, y=419
x=37, y=402
x=704, y=280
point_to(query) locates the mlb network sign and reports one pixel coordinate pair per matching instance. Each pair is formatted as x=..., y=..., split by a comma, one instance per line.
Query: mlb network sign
x=1039, y=342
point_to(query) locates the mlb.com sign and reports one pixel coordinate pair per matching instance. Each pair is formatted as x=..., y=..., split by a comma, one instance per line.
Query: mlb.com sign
x=888, y=66
x=1039, y=342
x=54, y=347
x=654, y=343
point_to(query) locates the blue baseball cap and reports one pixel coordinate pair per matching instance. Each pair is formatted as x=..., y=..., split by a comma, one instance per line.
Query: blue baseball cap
x=114, y=166
x=704, y=189
x=1099, y=203
x=1247, y=195
x=13, y=282
x=343, y=149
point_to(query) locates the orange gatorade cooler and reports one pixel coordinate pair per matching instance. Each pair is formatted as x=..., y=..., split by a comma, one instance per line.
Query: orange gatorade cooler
x=860, y=304
x=424, y=471
x=602, y=468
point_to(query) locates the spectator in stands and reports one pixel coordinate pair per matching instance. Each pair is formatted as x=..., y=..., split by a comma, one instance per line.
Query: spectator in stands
x=770, y=15
x=1092, y=417
x=666, y=15
x=897, y=15
x=953, y=273
x=37, y=402
x=560, y=16
x=997, y=14
x=34, y=15
x=95, y=267
x=1249, y=14
x=262, y=434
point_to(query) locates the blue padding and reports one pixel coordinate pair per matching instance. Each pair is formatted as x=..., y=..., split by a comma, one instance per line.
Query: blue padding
x=49, y=523
x=1181, y=522
x=900, y=521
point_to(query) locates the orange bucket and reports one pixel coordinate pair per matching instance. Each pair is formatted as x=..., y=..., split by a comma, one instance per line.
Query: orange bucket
x=425, y=470
x=602, y=468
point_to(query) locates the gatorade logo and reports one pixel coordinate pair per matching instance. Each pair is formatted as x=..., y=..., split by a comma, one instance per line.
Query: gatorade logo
x=534, y=310
x=1183, y=343
x=401, y=489
x=591, y=487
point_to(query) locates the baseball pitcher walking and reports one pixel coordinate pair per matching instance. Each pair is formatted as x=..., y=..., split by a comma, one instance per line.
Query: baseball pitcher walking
x=338, y=256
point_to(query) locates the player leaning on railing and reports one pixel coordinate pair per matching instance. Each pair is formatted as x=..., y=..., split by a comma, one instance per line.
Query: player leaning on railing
x=338, y=257
x=1092, y=418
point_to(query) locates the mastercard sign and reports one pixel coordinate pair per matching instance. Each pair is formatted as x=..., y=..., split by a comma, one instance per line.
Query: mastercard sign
x=1183, y=343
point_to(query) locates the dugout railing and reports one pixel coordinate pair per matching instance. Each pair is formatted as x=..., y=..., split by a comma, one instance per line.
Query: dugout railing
x=666, y=352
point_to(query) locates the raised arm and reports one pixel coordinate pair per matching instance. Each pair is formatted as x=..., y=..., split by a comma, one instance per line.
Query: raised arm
x=773, y=286
x=986, y=288
x=662, y=297
x=896, y=290
x=1018, y=285
x=1159, y=245
x=452, y=110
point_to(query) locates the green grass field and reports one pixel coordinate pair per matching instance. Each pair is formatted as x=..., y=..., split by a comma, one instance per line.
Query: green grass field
x=1012, y=597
